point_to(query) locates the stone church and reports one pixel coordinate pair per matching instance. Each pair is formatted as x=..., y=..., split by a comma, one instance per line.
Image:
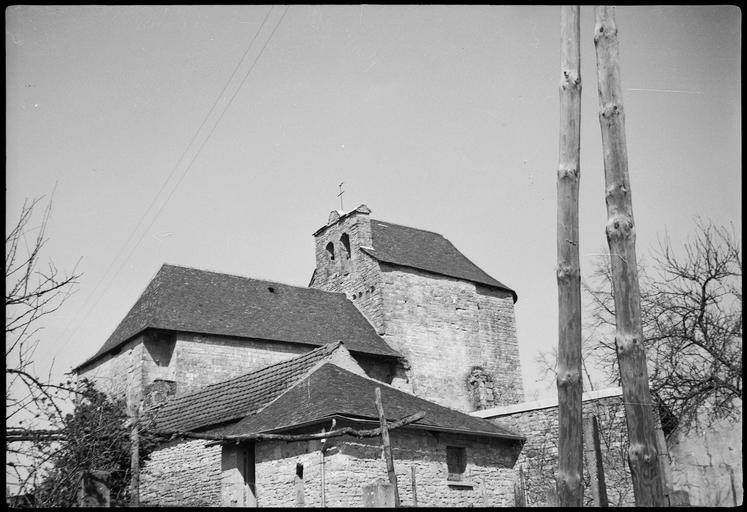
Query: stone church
x=387, y=306
x=209, y=356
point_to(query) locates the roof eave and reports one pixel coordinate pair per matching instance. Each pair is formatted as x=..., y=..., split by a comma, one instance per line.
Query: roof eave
x=394, y=354
x=115, y=349
x=375, y=422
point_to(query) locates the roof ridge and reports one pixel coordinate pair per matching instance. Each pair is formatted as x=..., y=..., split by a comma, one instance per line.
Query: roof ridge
x=408, y=227
x=248, y=278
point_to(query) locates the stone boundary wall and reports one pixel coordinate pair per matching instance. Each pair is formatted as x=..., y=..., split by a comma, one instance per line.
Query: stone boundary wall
x=538, y=461
x=707, y=463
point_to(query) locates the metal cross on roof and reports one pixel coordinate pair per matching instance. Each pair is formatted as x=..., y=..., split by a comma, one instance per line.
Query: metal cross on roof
x=340, y=194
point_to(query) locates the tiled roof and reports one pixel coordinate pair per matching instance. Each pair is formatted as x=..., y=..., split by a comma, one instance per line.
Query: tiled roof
x=330, y=390
x=192, y=300
x=425, y=250
x=238, y=397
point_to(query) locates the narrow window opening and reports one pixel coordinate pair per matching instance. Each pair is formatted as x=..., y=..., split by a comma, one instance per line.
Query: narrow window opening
x=456, y=461
x=345, y=240
x=331, y=251
x=299, y=485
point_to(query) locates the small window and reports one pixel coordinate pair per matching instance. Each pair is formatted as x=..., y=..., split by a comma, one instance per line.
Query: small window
x=331, y=251
x=456, y=461
x=345, y=240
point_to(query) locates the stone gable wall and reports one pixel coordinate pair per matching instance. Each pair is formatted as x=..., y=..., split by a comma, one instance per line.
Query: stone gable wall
x=446, y=328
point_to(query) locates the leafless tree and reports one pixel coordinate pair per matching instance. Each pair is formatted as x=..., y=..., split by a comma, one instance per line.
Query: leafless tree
x=33, y=290
x=691, y=304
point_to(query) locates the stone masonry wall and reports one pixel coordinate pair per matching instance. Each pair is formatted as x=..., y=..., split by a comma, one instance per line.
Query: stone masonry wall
x=350, y=464
x=458, y=338
x=201, y=359
x=197, y=360
x=359, y=277
x=189, y=473
x=182, y=474
x=119, y=375
x=446, y=328
x=707, y=463
x=539, y=458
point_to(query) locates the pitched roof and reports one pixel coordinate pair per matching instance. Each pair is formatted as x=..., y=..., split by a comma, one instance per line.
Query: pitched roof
x=330, y=390
x=238, y=397
x=192, y=300
x=425, y=250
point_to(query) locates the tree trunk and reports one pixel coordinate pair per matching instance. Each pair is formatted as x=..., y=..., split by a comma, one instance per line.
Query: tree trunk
x=570, y=445
x=631, y=356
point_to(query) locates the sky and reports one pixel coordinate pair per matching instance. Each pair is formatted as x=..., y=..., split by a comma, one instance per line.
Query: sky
x=216, y=137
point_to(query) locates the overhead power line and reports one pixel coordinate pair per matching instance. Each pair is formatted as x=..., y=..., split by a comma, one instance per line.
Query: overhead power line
x=184, y=173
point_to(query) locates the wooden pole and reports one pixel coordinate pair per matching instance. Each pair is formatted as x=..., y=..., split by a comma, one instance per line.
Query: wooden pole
x=414, y=487
x=602, y=483
x=595, y=465
x=570, y=445
x=135, y=459
x=631, y=355
x=321, y=462
x=387, y=446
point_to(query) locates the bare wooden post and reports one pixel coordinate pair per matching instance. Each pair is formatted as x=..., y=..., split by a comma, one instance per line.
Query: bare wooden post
x=570, y=446
x=631, y=355
x=414, y=487
x=664, y=462
x=93, y=489
x=387, y=447
x=321, y=462
x=135, y=458
x=520, y=499
x=594, y=458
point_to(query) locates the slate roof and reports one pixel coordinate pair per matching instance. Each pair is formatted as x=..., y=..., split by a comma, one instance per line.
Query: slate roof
x=333, y=391
x=238, y=397
x=425, y=250
x=192, y=300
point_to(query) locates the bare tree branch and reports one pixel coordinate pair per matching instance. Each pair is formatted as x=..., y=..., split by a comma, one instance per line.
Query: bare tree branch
x=692, y=321
x=33, y=290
